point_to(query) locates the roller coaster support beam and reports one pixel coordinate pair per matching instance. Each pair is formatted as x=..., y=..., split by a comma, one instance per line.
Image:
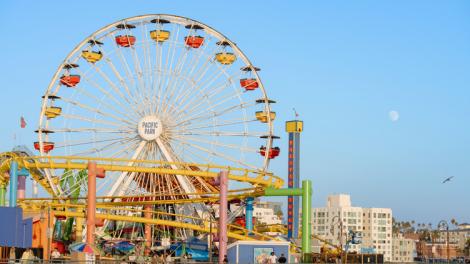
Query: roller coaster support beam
x=249, y=213
x=223, y=208
x=306, y=193
x=93, y=172
x=22, y=175
x=3, y=192
x=13, y=182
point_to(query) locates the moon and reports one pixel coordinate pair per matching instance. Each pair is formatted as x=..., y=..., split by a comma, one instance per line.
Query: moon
x=394, y=115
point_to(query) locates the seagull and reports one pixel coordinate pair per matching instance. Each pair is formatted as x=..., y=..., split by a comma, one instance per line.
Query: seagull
x=448, y=179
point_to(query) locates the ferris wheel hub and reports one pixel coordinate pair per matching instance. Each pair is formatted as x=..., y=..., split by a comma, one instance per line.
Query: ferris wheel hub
x=150, y=128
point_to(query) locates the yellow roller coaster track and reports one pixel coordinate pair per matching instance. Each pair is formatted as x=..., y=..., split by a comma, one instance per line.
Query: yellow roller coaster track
x=105, y=205
x=106, y=212
x=36, y=164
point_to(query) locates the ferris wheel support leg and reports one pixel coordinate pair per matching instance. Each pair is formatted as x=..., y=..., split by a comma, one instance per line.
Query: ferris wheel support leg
x=223, y=208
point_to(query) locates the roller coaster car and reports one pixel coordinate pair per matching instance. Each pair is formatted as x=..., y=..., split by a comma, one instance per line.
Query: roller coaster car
x=70, y=80
x=241, y=221
x=273, y=152
x=92, y=56
x=125, y=40
x=160, y=35
x=60, y=217
x=46, y=146
x=225, y=58
x=263, y=116
x=52, y=111
x=194, y=41
x=249, y=84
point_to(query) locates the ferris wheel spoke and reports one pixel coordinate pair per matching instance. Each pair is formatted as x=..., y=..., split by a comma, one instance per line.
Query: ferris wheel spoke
x=95, y=110
x=91, y=120
x=122, y=58
x=81, y=142
x=132, y=104
x=216, y=143
x=210, y=113
x=168, y=66
x=193, y=103
x=108, y=106
x=227, y=123
x=218, y=154
x=101, y=89
x=189, y=91
x=194, y=62
x=106, y=147
x=223, y=133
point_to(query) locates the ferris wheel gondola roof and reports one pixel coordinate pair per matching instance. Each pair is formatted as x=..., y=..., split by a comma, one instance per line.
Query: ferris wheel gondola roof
x=194, y=26
x=125, y=26
x=95, y=42
x=70, y=65
x=250, y=68
x=45, y=131
x=52, y=97
x=263, y=100
x=159, y=21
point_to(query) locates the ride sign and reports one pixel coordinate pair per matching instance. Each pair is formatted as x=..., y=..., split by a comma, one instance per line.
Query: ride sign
x=149, y=128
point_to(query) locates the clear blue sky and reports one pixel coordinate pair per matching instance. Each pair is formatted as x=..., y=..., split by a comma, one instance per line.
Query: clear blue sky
x=343, y=65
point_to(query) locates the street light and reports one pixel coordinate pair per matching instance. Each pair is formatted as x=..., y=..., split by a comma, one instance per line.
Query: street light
x=444, y=226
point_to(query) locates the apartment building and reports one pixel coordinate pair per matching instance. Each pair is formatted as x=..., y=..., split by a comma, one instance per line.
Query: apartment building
x=334, y=222
x=404, y=249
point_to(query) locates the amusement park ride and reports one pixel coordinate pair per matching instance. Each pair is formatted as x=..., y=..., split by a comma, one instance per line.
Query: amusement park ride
x=152, y=103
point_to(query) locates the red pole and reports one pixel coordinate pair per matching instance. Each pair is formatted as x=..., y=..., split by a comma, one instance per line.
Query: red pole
x=91, y=204
x=223, y=208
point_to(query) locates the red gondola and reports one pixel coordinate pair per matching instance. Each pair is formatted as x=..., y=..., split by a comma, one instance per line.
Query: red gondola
x=194, y=41
x=70, y=80
x=125, y=41
x=46, y=146
x=249, y=84
x=273, y=152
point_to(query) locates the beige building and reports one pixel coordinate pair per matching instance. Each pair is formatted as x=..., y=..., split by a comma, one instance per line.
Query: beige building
x=334, y=221
x=404, y=249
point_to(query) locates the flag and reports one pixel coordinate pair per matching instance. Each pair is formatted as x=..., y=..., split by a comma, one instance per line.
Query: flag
x=22, y=122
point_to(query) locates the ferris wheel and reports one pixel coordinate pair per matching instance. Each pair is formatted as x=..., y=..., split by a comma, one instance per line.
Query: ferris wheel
x=155, y=87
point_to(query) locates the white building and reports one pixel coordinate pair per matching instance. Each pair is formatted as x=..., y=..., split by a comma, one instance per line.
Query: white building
x=264, y=212
x=334, y=221
x=404, y=249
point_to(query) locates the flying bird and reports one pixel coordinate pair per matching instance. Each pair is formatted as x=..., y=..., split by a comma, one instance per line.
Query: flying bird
x=448, y=179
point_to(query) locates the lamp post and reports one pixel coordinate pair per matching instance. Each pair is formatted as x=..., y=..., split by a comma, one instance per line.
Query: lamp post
x=444, y=226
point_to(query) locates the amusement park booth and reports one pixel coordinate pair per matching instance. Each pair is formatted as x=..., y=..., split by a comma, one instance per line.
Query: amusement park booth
x=244, y=251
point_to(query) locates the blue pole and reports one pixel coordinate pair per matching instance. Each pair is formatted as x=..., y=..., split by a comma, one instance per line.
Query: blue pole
x=13, y=182
x=249, y=213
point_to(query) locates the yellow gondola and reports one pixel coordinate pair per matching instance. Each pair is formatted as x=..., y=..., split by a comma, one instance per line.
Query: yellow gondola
x=160, y=35
x=225, y=57
x=92, y=56
x=53, y=111
x=263, y=116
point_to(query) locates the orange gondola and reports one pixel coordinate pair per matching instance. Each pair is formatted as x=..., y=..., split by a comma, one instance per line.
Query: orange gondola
x=249, y=84
x=70, y=80
x=194, y=41
x=125, y=40
x=46, y=146
x=273, y=152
